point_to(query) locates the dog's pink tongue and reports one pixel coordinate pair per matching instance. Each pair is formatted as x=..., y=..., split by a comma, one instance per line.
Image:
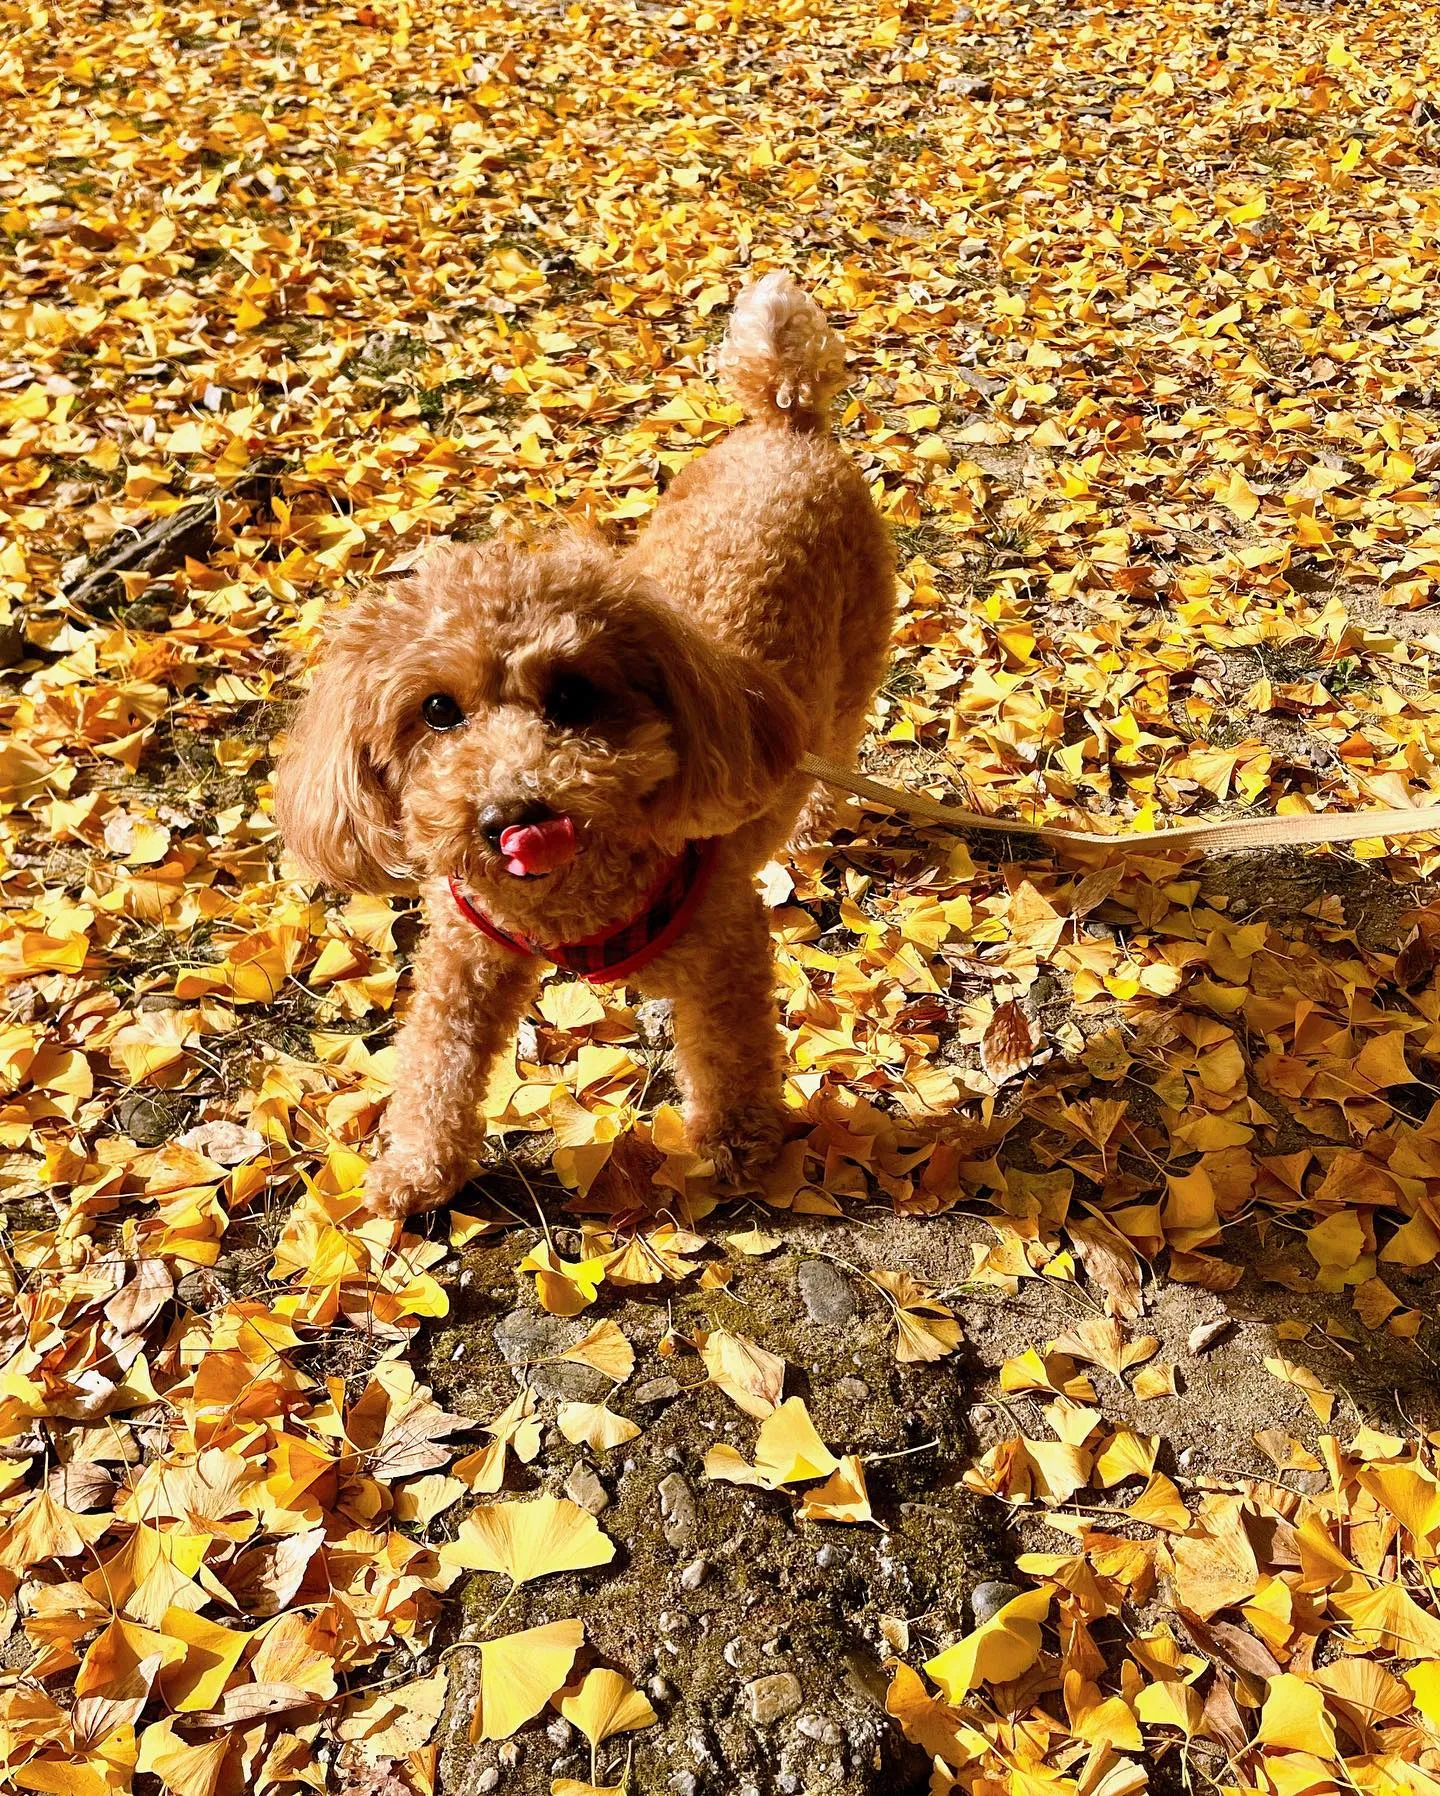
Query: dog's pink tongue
x=538, y=847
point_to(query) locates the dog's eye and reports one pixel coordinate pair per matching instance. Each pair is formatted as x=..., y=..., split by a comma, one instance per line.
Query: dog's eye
x=572, y=702
x=441, y=712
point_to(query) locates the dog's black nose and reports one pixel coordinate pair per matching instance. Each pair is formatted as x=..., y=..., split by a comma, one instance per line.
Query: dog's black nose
x=495, y=819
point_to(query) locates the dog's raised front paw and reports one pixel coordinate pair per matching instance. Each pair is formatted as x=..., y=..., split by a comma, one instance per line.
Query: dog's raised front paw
x=743, y=1143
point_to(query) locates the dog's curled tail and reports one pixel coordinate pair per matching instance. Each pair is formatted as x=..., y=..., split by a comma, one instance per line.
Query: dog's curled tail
x=780, y=358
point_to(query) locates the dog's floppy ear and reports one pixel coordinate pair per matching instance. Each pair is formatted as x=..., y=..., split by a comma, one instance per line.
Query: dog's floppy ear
x=335, y=813
x=736, y=731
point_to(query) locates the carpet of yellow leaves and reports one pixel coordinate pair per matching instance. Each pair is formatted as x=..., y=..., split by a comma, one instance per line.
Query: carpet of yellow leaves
x=1142, y=309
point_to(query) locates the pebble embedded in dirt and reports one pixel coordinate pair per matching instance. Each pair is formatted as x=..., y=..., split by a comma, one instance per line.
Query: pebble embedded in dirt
x=821, y=1730
x=584, y=1488
x=989, y=1598
x=149, y=1117
x=657, y=1390
x=695, y=1574
x=653, y=1024
x=677, y=1509
x=771, y=1699
x=827, y=1294
x=529, y=1342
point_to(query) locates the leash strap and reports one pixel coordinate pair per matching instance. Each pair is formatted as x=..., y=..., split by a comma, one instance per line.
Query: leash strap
x=1294, y=830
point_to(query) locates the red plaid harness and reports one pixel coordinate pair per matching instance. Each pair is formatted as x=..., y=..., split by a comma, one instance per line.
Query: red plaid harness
x=620, y=948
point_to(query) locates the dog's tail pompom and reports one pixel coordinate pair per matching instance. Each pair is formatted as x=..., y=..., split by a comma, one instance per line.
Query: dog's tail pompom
x=780, y=358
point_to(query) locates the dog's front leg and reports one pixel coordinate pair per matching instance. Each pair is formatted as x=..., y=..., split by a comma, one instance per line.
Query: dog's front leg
x=721, y=980
x=470, y=995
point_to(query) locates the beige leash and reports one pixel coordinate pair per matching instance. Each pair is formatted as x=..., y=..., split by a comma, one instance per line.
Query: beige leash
x=1291, y=831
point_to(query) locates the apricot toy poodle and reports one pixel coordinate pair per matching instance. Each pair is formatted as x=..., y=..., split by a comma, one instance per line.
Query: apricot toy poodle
x=584, y=757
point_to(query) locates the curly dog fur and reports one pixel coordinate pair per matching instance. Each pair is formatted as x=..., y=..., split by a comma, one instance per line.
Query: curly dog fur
x=653, y=698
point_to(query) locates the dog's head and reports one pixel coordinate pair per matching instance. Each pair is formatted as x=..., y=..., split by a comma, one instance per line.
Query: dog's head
x=502, y=689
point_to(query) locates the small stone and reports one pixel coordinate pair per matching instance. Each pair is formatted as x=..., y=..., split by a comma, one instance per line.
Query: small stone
x=787, y=1784
x=853, y=1390
x=584, y=1488
x=694, y=1574
x=659, y=1689
x=559, y=1731
x=737, y=1653
x=489, y=1779
x=203, y=1289
x=657, y=1390
x=653, y=1023
x=526, y=1338
x=677, y=1509
x=826, y=1293
x=509, y=1754
x=145, y=617
x=772, y=1698
x=826, y=1556
x=989, y=1598
x=824, y=1732
x=684, y=1783
x=149, y=1117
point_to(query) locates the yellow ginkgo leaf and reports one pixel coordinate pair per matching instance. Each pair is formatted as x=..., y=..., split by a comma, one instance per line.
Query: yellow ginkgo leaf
x=1320, y=1400
x=1161, y=1504
x=528, y=1540
x=1170, y=1703
x=753, y=1242
x=1294, y=1717
x=999, y=1650
x=425, y=1498
x=564, y=1287
x=595, y=1425
x=1424, y=1681
x=183, y=1769
x=841, y=1498
x=1239, y=497
x=787, y=1451
x=1155, y=1381
x=1389, y=1618
x=606, y=1349
x=606, y=1703
x=925, y=1719
x=749, y=1376
x=925, y=1328
x=1126, y=1455
x=1101, y=1341
x=519, y=1673
x=515, y=1430
x=45, y=1529
x=211, y=1655
x=1412, y=1496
